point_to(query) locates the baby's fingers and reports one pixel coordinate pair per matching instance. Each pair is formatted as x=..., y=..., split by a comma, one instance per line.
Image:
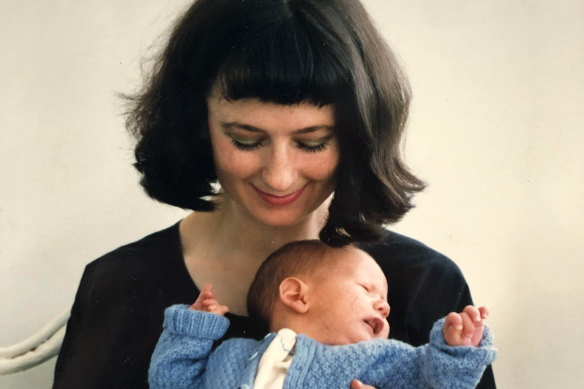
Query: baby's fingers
x=220, y=310
x=216, y=308
x=465, y=328
x=473, y=312
x=454, y=321
x=205, y=294
x=356, y=384
x=468, y=324
x=458, y=329
x=209, y=304
x=452, y=330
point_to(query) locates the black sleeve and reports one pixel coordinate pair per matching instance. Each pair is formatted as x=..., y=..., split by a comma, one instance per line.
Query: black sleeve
x=117, y=315
x=104, y=346
x=75, y=365
x=424, y=286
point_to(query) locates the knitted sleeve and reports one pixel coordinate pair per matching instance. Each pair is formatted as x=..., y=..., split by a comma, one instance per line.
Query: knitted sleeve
x=456, y=367
x=181, y=355
x=391, y=364
x=436, y=365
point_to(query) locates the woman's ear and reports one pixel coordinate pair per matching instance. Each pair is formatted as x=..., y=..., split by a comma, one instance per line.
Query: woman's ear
x=293, y=294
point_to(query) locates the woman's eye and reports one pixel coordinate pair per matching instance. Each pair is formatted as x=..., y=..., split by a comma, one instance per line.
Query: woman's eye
x=314, y=146
x=246, y=144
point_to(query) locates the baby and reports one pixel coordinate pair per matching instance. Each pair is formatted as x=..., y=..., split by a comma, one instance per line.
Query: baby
x=327, y=310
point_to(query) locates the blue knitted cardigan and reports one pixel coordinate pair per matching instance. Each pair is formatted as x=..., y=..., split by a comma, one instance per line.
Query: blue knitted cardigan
x=183, y=358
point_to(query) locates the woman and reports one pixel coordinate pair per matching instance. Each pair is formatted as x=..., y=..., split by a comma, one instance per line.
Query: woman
x=296, y=108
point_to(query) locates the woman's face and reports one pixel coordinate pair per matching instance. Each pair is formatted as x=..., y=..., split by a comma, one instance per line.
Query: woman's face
x=276, y=163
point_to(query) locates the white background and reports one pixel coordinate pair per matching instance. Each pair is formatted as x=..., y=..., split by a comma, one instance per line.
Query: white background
x=495, y=129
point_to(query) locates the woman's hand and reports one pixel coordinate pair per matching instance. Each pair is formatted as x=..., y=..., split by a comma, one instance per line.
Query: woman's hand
x=208, y=303
x=356, y=384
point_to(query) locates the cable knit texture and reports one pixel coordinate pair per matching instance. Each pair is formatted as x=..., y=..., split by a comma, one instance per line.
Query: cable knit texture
x=183, y=359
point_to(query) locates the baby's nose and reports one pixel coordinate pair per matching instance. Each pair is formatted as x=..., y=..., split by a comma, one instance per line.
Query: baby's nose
x=383, y=308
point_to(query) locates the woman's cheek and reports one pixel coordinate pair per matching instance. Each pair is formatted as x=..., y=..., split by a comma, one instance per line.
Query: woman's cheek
x=323, y=168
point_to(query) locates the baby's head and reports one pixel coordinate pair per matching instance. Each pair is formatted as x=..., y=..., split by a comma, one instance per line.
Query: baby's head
x=334, y=295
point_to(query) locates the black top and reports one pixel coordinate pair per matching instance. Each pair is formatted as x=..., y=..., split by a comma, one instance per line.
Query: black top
x=117, y=315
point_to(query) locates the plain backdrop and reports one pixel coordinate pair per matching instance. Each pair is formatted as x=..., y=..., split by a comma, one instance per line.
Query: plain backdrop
x=495, y=129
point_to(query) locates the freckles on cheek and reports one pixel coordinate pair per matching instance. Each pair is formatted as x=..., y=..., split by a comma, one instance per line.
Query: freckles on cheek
x=333, y=164
x=238, y=164
x=223, y=154
x=321, y=168
x=325, y=170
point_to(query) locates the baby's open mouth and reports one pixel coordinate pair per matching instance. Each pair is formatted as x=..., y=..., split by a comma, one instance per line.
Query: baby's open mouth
x=376, y=324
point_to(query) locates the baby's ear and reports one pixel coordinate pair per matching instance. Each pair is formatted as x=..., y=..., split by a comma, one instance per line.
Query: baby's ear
x=293, y=294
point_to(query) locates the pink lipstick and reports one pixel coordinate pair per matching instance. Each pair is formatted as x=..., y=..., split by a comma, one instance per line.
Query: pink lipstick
x=280, y=200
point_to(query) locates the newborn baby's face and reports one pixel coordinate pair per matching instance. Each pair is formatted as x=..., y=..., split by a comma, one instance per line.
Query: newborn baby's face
x=351, y=300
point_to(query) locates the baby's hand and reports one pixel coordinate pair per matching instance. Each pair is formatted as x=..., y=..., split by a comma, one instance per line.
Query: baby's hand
x=208, y=303
x=466, y=328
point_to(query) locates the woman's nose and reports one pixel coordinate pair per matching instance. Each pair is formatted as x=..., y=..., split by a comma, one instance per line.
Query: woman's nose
x=279, y=172
x=382, y=307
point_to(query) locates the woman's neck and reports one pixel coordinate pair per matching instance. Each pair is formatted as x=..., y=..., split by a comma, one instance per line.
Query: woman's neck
x=226, y=247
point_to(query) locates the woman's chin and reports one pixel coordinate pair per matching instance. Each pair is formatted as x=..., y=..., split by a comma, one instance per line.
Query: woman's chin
x=282, y=220
x=280, y=216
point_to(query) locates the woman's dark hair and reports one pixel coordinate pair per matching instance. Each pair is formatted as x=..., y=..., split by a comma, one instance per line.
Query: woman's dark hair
x=285, y=52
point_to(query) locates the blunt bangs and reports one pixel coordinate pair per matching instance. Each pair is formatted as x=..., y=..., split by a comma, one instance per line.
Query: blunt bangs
x=284, y=63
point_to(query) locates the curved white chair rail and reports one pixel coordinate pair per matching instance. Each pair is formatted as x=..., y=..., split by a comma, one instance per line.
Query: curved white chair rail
x=34, y=350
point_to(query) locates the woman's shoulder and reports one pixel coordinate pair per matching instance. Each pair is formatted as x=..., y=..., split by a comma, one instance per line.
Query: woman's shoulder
x=147, y=251
x=402, y=252
x=152, y=263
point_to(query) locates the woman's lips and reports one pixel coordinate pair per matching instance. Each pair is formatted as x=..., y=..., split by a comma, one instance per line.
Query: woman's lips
x=280, y=200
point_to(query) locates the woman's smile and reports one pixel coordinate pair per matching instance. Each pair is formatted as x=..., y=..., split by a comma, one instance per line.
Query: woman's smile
x=280, y=200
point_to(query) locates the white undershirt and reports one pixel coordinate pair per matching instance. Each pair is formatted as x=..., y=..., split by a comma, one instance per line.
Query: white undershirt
x=276, y=361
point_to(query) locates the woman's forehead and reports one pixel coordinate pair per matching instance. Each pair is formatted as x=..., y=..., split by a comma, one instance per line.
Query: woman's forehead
x=255, y=113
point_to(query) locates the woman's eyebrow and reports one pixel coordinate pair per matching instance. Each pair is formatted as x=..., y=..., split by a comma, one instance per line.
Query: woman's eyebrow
x=310, y=129
x=236, y=125
x=250, y=128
